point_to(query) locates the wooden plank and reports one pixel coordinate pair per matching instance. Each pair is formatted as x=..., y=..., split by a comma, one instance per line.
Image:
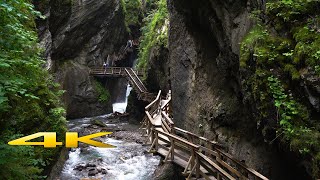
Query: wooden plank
x=206, y=166
x=167, y=118
x=156, y=121
x=227, y=166
x=177, y=160
x=250, y=170
x=139, y=80
x=164, y=103
x=215, y=166
x=133, y=80
x=166, y=126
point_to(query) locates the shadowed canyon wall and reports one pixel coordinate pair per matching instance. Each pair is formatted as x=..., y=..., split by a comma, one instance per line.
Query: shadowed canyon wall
x=78, y=35
x=203, y=71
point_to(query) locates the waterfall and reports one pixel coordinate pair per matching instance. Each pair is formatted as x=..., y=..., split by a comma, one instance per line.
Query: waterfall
x=122, y=106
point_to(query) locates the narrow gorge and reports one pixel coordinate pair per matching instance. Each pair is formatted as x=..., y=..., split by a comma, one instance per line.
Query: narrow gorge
x=207, y=89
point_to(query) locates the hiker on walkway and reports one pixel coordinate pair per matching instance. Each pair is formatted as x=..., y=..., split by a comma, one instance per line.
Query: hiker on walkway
x=129, y=44
x=105, y=67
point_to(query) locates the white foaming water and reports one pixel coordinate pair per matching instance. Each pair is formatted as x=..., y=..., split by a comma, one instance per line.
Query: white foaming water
x=121, y=107
x=125, y=162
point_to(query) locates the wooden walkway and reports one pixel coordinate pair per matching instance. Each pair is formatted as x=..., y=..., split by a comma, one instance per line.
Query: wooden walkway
x=198, y=156
x=112, y=72
x=131, y=75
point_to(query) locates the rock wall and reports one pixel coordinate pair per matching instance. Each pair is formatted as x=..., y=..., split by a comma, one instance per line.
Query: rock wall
x=204, y=45
x=77, y=35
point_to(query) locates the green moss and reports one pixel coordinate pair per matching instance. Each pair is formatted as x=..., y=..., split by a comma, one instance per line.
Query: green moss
x=154, y=32
x=104, y=95
x=275, y=61
x=132, y=10
x=292, y=70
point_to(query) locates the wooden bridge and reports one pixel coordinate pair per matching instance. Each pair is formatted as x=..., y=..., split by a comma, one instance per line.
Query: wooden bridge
x=113, y=72
x=131, y=75
x=198, y=156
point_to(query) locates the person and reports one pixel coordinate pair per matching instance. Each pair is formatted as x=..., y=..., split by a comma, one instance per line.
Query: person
x=105, y=67
x=129, y=44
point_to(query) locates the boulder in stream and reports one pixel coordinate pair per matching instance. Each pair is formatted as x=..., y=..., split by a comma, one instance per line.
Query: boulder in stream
x=80, y=167
x=93, y=172
x=98, y=123
x=103, y=171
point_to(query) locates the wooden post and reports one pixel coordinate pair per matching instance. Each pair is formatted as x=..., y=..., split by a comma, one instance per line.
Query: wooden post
x=157, y=141
x=193, y=154
x=170, y=150
x=210, y=146
x=172, y=153
x=152, y=133
x=218, y=176
x=188, y=164
x=197, y=167
x=218, y=159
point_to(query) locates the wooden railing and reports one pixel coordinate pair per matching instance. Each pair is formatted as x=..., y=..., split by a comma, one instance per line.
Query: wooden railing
x=199, y=156
x=135, y=80
x=112, y=72
x=131, y=75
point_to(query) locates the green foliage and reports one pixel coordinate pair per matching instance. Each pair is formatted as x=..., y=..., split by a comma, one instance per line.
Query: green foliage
x=154, y=33
x=104, y=95
x=133, y=11
x=274, y=53
x=29, y=100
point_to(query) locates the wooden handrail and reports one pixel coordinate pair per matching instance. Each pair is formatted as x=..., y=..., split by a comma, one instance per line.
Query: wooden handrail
x=250, y=170
x=154, y=101
x=199, y=137
x=165, y=104
x=214, y=157
x=134, y=82
x=177, y=138
x=167, y=118
x=139, y=80
x=99, y=71
x=215, y=166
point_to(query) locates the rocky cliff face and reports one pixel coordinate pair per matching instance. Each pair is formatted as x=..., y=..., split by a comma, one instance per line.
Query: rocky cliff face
x=204, y=49
x=78, y=35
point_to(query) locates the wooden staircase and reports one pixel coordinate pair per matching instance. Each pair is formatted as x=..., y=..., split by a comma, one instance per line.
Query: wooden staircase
x=198, y=156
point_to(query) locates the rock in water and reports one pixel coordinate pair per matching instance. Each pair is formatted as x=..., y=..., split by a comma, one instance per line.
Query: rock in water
x=98, y=123
x=103, y=171
x=91, y=165
x=80, y=167
x=92, y=172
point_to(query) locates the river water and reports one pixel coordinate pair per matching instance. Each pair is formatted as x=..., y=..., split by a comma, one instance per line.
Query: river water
x=128, y=161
